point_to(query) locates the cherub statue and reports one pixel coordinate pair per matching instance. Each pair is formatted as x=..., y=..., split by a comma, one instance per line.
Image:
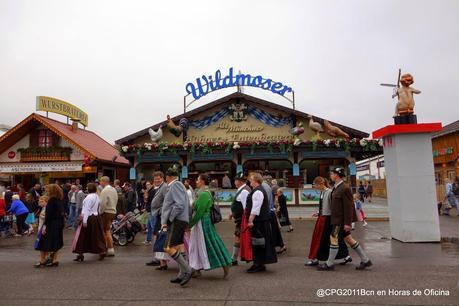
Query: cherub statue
x=405, y=105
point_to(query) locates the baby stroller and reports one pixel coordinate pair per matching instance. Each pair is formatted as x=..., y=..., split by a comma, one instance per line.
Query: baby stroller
x=6, y=226
x=125, y=227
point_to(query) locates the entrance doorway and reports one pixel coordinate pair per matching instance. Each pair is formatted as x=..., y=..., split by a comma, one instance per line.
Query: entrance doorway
x=216, y=170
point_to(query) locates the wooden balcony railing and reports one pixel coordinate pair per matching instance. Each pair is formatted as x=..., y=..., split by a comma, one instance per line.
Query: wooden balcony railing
x=45, y=154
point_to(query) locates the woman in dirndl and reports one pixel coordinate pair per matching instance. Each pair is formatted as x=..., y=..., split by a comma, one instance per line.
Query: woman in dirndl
x=52, y=235
x=89, y=236
x=245, y=237
x=320, y=242
x=284, y=219
x=207, y=250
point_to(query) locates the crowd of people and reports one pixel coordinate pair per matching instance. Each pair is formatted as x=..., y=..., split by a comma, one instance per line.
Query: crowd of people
x=180, y=221
x=451, y=195
x=365, y=191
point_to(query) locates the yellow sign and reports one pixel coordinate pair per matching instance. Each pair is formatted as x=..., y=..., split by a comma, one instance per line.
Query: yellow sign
x=48, y=104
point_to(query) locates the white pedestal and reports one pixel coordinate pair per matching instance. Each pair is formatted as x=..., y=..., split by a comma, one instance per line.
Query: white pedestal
x=411, y=186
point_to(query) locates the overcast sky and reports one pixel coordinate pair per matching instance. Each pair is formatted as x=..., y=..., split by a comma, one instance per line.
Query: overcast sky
x=126, y=63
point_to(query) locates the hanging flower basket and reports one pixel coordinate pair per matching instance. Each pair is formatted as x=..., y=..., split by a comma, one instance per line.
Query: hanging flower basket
x=282, y=146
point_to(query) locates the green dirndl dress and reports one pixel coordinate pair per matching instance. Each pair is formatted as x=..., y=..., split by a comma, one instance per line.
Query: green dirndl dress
x=217, y=252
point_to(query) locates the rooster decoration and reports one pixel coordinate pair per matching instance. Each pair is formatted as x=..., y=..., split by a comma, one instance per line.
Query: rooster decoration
x=334, y=131
x=177, y=130
x=156, y=136
x=315, y=127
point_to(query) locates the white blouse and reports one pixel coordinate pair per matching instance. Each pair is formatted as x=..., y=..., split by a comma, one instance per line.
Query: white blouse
x=90, y=206
x=242, y=197
x=190, y=196
x=257, y=201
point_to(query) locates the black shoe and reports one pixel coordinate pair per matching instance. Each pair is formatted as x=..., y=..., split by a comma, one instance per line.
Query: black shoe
x=161, y=268
x=249, y=270
x=234, y=263
x=282, y=251
x=346, y=260
x=153, y=263
x=39, y=265
x=52, y=264
x=176, y=280
x=255, y=269
x=186, y=279
x=196, y=273
x=312, y=263
x=48, y=260
x=325, y=267
x=79, y=258
x=364, y=265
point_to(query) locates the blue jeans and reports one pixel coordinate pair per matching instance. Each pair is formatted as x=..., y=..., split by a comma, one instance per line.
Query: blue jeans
x=150, y=226
x=452, y=199
x=72, y=215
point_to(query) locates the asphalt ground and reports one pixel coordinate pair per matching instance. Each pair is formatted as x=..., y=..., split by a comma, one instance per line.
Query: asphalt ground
x=125, y=280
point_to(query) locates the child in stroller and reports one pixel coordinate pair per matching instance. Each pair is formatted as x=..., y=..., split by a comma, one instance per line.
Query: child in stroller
x=6, y=221
x=6, y=226
x=125, y=227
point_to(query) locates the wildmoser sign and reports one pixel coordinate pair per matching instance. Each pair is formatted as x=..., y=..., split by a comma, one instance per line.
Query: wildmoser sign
x=207, y=84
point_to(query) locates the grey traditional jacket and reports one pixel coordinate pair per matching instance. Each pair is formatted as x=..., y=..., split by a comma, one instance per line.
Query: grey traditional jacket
x=176, y=204
x=79, y=197
x=158, y=199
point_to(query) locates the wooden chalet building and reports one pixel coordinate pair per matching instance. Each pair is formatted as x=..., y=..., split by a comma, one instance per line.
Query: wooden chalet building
x=41, y=149
x=242, y=133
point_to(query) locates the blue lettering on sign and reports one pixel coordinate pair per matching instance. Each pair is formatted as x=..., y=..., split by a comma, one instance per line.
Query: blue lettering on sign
x=206, y=84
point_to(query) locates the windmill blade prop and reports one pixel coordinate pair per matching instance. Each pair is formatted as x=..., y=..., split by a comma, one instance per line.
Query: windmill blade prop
x=394, y=86
x=390, y=85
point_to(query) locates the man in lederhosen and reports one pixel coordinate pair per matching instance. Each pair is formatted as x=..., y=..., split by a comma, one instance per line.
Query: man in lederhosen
x=342, y=216
x=258, y=214
x=237, y=208
x=175, y=217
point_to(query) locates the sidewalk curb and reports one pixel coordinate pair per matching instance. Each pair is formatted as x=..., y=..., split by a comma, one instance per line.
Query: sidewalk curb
x=371, y=219
x=450, y=239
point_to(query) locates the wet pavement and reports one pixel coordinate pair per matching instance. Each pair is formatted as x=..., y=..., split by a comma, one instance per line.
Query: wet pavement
x=399, y=268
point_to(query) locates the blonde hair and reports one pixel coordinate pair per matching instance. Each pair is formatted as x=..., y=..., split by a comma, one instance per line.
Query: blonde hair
x=320, y=180
x=43, y=198
x=257, y=178
x=15, y=197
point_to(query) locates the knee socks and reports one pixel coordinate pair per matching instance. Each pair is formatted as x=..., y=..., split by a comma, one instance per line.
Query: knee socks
x=182, y=263
x=358, y=249
x=332, y=255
